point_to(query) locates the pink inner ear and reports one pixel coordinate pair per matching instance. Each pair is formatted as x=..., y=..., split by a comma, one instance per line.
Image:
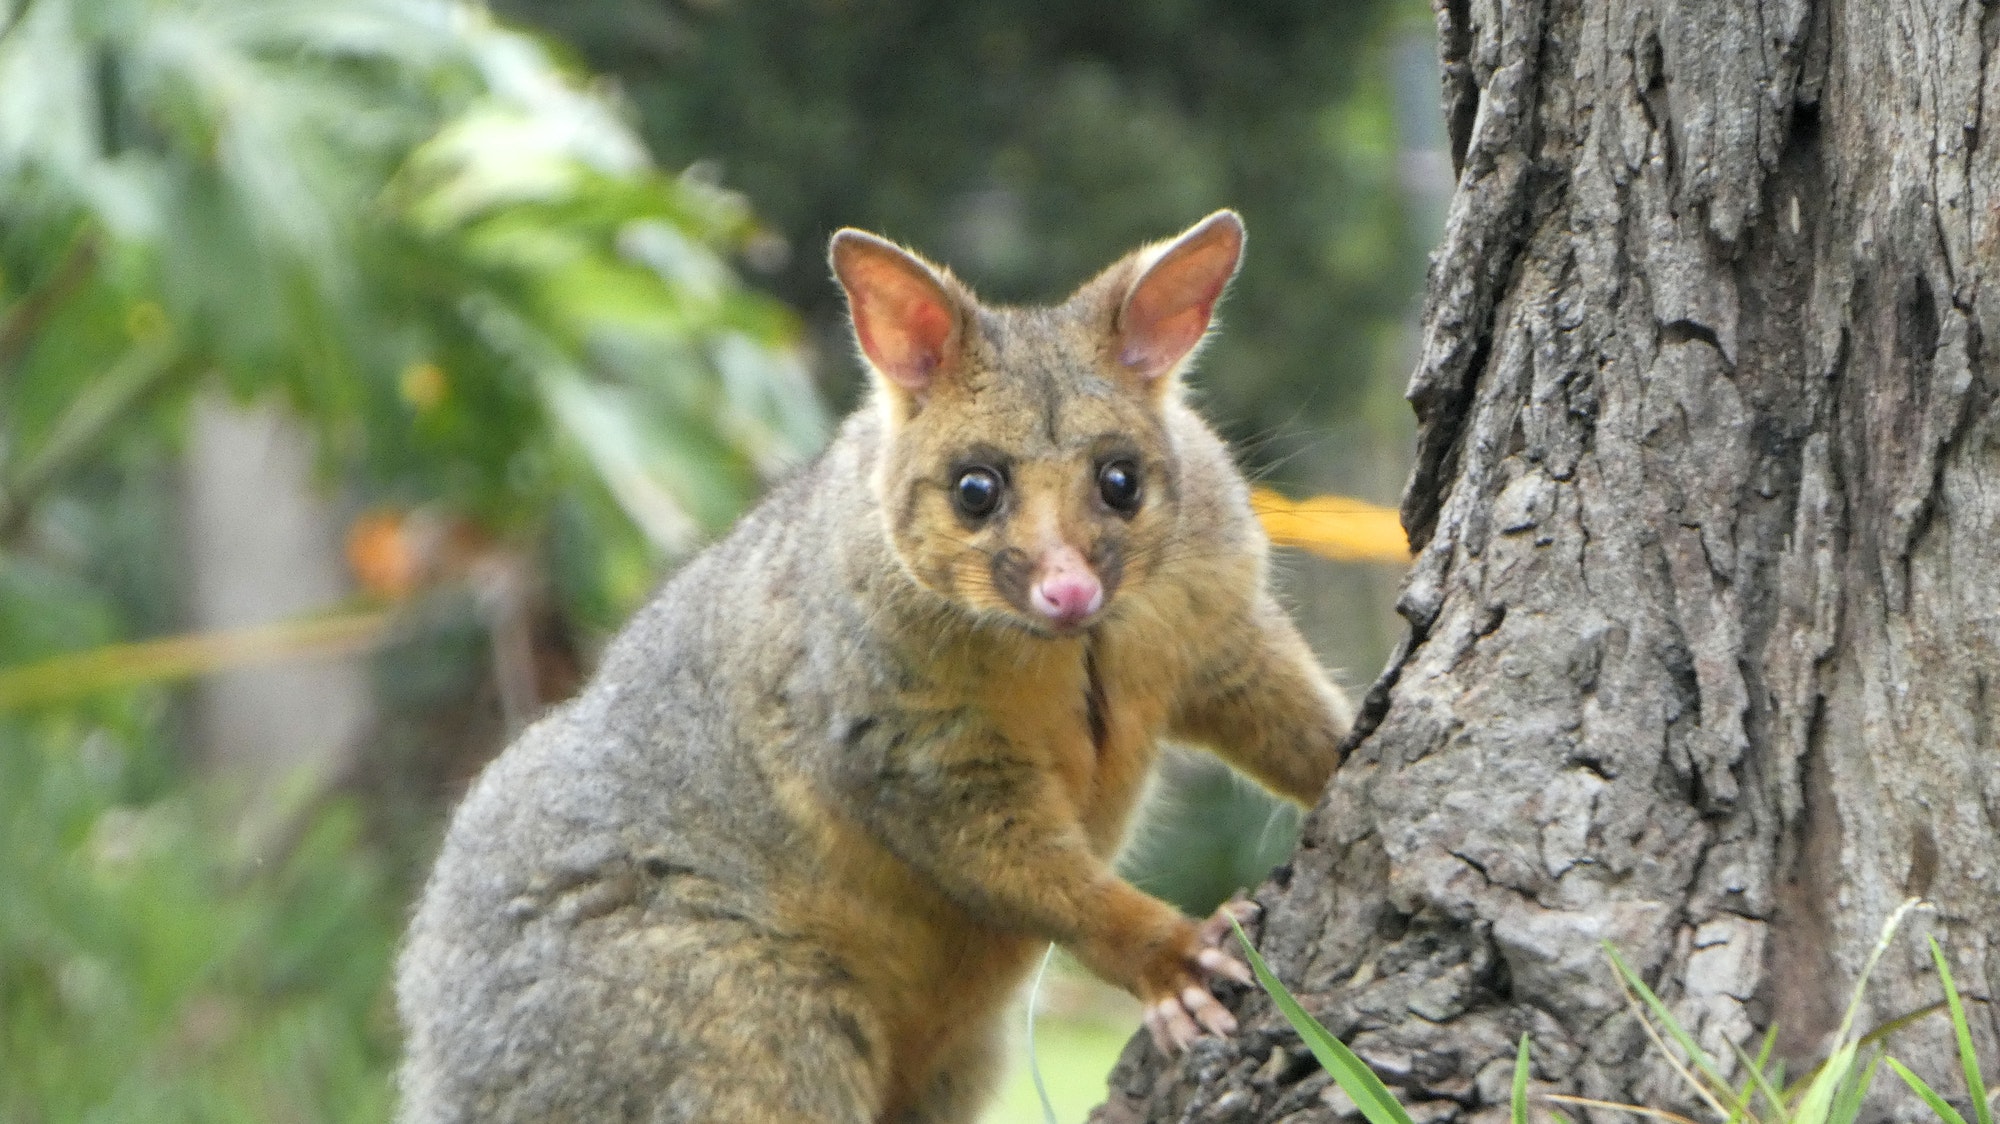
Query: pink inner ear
x=1153, y=350
x=902, y=318
x=1168, y=310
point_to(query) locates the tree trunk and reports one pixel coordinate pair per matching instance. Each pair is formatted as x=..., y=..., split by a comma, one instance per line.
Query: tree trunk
x=1704, y=644
x=263, y=546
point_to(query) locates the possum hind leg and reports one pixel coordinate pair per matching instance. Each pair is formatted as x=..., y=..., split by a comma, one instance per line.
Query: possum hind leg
x=638, y=1018
x=961, y=1085
x=748, y=1029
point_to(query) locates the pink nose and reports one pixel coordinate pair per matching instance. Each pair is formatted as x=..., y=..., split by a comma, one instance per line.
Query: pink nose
x=1067, y=595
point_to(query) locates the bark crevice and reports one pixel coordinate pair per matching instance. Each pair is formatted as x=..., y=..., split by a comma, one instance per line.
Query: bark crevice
x=1702, y=626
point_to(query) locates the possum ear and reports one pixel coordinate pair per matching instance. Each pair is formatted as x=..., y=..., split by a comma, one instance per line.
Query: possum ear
x=905, y=318
x=1167, y=310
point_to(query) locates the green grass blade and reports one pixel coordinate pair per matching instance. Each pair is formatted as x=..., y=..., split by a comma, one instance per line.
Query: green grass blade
x=1716, y=1086
x=1352, y=1074
x=1519, y=1102
x=1889, y=927
x=1817, y=1103
x=1974, y=1085
x=1741, y=1110
x=1844, y=1036
x=1938, y=1104
x=1034, y=1067
x=1761, y=1081
x=1847, y=1105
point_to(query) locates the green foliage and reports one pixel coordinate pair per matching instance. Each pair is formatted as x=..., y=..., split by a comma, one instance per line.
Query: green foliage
x=453, y=259
x=1205, y=834
x=1831, y=1094
x=153, y=970
x=446, y=252
x=1028, y=144
x=1075, y=1052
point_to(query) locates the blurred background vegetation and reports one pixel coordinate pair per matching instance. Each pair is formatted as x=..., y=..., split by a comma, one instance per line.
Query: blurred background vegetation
x=364, y=362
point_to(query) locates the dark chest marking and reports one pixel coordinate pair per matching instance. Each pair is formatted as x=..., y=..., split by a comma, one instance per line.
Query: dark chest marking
x=1094, y=706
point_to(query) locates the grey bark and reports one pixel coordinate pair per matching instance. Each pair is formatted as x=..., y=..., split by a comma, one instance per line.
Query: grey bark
x=1704, y=635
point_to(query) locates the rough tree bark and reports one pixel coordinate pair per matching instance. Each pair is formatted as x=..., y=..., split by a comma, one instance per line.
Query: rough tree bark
x=1704, y=635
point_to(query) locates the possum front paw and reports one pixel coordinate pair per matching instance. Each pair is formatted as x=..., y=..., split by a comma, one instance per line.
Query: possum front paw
x=1179, y=1005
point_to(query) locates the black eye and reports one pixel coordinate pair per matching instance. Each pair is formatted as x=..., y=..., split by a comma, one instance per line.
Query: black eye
x=977, y=492
x=1118, y=483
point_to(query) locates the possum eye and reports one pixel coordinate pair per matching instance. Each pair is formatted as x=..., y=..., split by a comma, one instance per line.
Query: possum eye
x=977, y=492
x=1118, y=483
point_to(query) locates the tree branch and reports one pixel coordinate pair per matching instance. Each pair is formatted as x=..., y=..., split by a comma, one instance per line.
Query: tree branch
x=77, y=433
x=28, y=314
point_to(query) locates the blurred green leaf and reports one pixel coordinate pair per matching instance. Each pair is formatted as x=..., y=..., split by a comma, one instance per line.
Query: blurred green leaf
x=1945, y=1113
x=148, y=974
x=448, y=253
x=453, y=259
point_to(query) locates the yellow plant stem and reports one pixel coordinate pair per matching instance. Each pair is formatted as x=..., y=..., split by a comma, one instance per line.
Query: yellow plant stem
x=1338, y=527
x=113, y=666
x=1636, y=1110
